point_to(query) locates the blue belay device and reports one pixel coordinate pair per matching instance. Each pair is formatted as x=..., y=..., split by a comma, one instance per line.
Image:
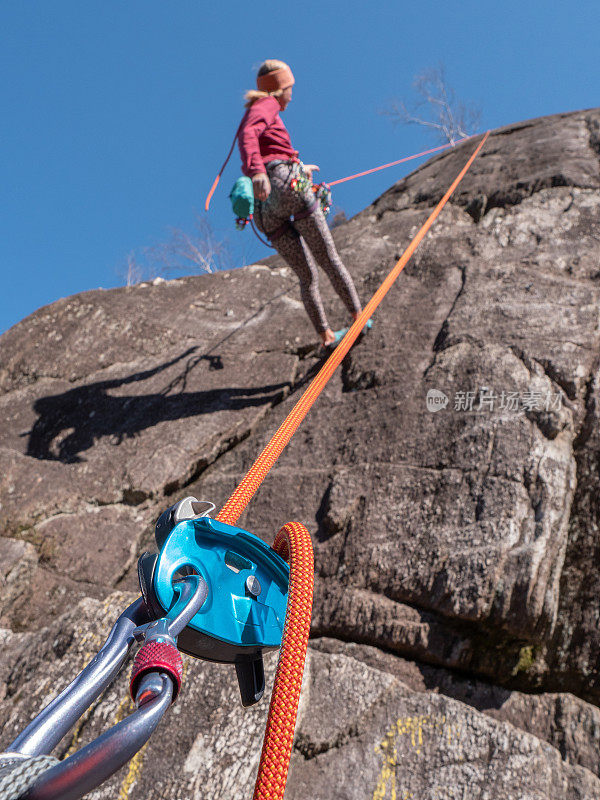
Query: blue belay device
x=247, y=580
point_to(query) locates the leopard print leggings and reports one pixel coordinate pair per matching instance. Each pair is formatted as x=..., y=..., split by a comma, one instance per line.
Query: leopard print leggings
x=304, y=243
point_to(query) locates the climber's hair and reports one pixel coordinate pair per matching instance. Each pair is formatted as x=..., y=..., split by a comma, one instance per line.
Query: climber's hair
x=270, y=65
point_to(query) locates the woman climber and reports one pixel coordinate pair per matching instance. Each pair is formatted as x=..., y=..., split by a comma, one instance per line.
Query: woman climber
x=282, y=188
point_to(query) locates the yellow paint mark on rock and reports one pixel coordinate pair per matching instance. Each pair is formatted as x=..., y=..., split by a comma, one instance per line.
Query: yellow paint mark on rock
x=126, y=706
x=133, y=773
x=76, y=735
x=415, y=729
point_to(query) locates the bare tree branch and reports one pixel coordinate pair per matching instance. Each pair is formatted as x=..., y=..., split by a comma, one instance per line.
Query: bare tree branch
x=132, y=271
x=182, y=253
x=437, y=108
x=199, y=251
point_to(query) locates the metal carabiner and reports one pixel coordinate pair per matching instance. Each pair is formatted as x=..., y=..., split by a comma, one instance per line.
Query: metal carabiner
x=43, y=734
x=193, y=591
x=77, y=775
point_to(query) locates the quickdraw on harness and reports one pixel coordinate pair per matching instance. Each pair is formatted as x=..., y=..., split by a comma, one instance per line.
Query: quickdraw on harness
x=216, y=592
x=302, y=183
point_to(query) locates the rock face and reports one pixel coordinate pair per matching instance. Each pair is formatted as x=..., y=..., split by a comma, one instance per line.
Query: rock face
x=449, y=475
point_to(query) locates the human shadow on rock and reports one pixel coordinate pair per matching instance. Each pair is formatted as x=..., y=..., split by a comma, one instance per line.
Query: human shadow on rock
x=72, y=422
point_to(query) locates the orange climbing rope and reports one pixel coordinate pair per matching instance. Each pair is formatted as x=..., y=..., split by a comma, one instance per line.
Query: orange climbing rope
x=400, y=161
x=294, y=544
x=218, y=178
x=294, y=540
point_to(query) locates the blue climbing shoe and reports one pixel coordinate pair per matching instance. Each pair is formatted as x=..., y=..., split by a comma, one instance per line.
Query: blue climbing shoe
x=339, y=335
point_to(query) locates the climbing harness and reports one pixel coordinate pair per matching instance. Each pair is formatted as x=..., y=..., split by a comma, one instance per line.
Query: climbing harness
x=242, y=200
x=214, y=591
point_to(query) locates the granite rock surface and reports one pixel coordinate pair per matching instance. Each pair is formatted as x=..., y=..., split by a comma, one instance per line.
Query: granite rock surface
x=449, y=476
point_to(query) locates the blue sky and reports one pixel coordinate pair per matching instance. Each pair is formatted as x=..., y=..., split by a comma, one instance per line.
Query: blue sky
x=118, y=115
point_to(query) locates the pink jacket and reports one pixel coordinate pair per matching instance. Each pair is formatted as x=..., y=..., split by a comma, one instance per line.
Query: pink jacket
x=263, y=137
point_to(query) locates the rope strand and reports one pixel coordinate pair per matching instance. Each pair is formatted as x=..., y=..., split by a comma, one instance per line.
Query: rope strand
x=218, y=178
x=294, y=544
x=400, y=161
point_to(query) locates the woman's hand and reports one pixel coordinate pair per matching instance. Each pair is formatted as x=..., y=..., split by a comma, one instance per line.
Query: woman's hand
x=309, y=169
x=261, y=185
